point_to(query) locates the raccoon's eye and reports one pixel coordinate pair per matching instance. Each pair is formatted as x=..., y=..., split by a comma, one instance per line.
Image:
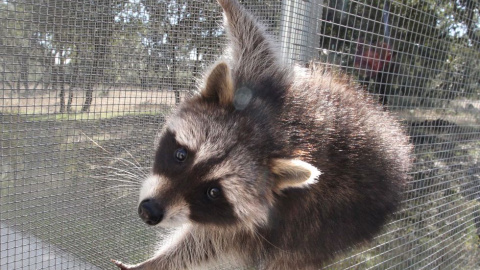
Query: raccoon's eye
x=181, y=154
x=213, y=193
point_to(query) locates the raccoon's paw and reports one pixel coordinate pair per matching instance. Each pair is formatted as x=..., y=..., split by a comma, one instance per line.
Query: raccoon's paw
x=123, y=266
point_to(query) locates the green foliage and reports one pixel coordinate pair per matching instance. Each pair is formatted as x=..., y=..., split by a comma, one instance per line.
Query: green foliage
x=165, y=44
x=434, y=46
x=160, y=45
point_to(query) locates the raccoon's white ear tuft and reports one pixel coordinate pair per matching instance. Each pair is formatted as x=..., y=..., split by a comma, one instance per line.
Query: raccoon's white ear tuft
x=293, y=173
x=219, y=85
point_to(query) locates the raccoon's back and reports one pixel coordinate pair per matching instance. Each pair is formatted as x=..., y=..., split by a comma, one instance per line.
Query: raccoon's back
x=363, y=155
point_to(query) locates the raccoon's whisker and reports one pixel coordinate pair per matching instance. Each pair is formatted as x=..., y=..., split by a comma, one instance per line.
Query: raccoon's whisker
x=117, y=198
x=118, y=187
x=114, y=179
x=134, y=159
x=126, y=171
x=123, y=170
x=136, y=165
x=270, y=243
x=118, y=171
x=121, y=186
x=127, y=176
x=94, y=142
x=132, y=178
x=128, y=163
x=127, y=181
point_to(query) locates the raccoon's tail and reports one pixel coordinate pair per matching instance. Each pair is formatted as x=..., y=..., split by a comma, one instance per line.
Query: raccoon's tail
x=252, y=55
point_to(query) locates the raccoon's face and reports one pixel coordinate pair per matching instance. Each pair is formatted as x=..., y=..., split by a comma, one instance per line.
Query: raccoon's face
x=203, y=172
x=213, y=166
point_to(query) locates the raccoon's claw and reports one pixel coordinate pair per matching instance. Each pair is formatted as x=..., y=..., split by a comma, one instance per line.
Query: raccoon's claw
x=123, y=266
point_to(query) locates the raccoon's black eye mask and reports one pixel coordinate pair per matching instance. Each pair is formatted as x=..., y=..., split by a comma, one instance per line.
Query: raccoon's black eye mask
x=208, y=205
x=171, y=157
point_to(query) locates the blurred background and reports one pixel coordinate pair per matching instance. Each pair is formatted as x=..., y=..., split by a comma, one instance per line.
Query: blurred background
x=86, y=84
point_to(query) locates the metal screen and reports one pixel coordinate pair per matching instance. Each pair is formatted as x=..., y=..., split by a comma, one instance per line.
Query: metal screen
x=85, y=85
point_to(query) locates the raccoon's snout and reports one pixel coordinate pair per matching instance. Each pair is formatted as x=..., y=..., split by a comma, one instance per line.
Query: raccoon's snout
x=150, y=211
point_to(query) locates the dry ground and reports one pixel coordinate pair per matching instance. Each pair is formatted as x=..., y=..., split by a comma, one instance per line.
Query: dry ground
x=118, y=100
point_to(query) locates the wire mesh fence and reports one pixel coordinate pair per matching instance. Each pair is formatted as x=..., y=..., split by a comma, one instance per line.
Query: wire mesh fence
x=86, y=85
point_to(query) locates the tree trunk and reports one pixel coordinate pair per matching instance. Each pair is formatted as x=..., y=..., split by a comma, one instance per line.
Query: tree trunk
x=175, y=85
x=100, y=54
x=88, y=97
x=24, y=73
x=59, y=73
x=62, y=96
x=70, y=99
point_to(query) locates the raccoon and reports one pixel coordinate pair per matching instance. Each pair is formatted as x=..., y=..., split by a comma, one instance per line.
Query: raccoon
x=270, y=164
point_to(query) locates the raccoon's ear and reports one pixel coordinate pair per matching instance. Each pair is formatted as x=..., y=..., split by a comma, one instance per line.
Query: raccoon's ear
x=219, y=85
x=254, y=57
x=293, y=173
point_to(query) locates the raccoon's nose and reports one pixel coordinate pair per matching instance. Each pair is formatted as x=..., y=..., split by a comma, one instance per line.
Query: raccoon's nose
x=150, y=211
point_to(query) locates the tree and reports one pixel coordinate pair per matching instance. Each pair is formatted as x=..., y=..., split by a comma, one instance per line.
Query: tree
x=19, y=46
x=68, y=26
x=423, y=39
x=181, y=32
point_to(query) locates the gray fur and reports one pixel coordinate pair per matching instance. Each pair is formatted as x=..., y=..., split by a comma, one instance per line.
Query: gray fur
x=306, y=163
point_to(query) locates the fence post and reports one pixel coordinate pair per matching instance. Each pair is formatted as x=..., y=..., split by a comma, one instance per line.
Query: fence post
x=299, y=29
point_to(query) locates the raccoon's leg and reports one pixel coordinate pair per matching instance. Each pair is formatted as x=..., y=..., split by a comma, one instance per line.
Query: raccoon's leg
x=283, y=265
x=286, y=260
x=189, y=249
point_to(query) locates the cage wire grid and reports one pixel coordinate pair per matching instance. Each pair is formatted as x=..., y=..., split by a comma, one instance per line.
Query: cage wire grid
x=87, y=84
